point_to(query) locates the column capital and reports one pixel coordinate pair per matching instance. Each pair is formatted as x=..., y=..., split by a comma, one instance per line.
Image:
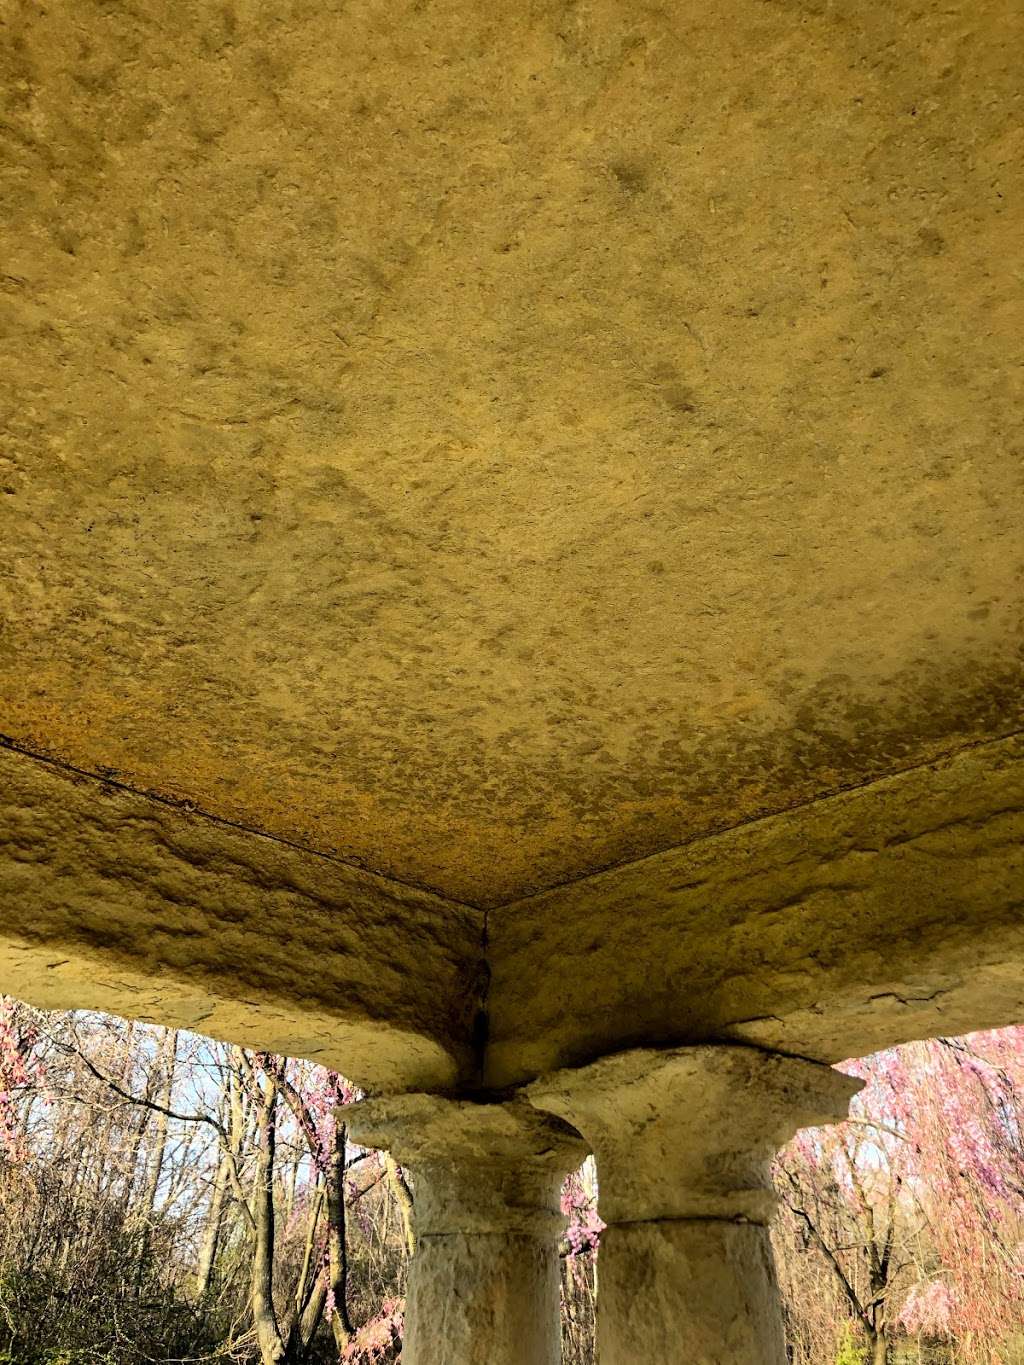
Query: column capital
x=690, y=1132
x=488, y=1166
x=483, y=1283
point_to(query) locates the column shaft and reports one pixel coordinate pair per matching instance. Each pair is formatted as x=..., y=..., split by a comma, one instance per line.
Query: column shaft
x=690, y=1292
x=483, y=1299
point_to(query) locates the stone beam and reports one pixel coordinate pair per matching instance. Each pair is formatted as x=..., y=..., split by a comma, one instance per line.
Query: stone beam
x=888, y=912
x=112, y=900
x=881, y=914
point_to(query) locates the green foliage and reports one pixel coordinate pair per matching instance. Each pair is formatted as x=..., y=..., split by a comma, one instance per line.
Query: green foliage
x=1012, y=1350
x=849, y=1353
x=45, y=1320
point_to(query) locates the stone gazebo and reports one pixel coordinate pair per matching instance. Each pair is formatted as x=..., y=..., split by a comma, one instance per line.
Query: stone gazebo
x=511, y=543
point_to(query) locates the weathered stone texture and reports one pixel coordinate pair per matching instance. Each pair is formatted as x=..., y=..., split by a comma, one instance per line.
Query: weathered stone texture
x=684, y=1139
x=872, y=917
x=483, y=1300
x=484, y=1280
x=493, y=442
x=510, y=550
x=541, y=454
x=690, y=1132
x=699, y=1293
x=114, y=901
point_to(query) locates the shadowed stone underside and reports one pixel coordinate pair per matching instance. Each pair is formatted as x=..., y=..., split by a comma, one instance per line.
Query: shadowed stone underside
x=510, y=524
x=489, y=444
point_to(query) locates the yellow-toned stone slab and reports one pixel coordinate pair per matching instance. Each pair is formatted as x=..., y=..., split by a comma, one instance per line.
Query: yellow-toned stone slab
x=489, y=443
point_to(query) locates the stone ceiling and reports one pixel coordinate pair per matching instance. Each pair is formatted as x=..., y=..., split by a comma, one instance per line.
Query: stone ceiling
x=489, y=444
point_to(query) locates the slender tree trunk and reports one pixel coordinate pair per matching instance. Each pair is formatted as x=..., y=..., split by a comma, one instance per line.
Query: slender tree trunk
x=268, y=1335
x=306, y=1270
x=312, y=1299
x=168, y=1062
x=337, y=1251
x=211, y=1236
x=305, y=1326
x=879, y=1348
x=403, y=1196
x=230, y=1116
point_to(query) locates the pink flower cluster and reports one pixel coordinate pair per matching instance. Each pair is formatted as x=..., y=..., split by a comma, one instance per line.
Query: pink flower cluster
x=929, y=1310
x=18, y=1069
x=579, y=1204
x=376, y=1339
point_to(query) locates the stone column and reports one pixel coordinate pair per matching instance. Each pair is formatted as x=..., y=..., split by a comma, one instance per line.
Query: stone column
x=484, y=1280
x=684, y=1140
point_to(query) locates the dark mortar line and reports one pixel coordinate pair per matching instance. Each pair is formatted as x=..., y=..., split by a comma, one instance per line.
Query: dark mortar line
x=482, y=1019
x=709, y=835
x=186, y=808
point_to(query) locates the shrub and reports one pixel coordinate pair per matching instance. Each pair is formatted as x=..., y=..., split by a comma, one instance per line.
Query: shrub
x=849, y=1353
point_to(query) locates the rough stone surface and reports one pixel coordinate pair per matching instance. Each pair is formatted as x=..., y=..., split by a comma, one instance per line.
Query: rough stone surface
x=870, y=918
x=483, y=1283
x=483, y=1300
x=114, y=901
x=491, y=443
x=553, y=469
x=688, y=1293
x=691, y=1132
x=684, y=1139
x=491, y=1166
x=509, y=551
